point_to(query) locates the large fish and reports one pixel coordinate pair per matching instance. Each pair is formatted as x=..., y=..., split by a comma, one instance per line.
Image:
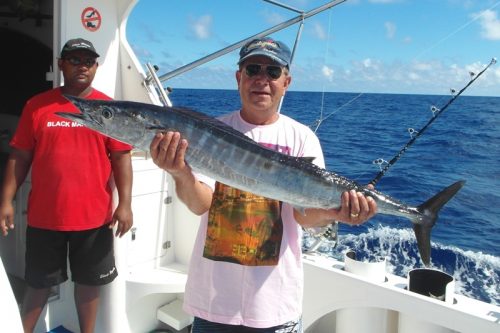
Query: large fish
x=230, y=157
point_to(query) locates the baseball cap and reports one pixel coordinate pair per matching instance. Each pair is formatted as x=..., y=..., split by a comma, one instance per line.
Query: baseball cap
x=267, y=47
x=78, y=44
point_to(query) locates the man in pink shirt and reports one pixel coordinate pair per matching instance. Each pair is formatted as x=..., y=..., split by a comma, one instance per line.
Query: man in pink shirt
x=246, y=273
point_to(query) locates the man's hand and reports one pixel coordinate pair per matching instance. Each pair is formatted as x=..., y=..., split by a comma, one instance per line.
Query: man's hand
x=6, y=218
x=168, y=151
x=124, y=218
x=355, y=209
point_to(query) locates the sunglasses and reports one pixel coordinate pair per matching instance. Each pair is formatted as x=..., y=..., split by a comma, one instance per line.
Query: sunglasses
x=75, y=61
x=272, y=71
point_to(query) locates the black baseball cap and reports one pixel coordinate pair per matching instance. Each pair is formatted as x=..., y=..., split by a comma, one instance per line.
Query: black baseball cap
x=267, y=47
x=78, y=44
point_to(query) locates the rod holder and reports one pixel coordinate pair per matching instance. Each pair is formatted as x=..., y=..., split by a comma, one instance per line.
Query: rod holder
x=373, y=270
x=363, y=319
x=432, y=283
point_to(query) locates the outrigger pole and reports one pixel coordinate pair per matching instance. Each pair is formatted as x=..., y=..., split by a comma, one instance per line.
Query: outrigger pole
x=230, y=48
x=153, y=79
x=415, y=134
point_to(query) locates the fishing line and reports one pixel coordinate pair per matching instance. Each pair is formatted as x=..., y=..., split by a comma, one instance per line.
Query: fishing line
x=329, y=234
x=416, y=134
x=320, y=120
x=383, y=164
x=457, y=30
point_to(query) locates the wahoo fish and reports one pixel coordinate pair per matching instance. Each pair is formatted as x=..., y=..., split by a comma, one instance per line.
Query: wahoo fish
x=226, y=155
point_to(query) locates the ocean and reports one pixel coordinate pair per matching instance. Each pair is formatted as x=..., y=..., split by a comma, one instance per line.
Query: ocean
x=463, y=143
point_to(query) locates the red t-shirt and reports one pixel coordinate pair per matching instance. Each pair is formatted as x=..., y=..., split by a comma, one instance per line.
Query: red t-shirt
x=71, y=169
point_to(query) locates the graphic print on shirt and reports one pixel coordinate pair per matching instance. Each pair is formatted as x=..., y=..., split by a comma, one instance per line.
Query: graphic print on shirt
x=243, y=228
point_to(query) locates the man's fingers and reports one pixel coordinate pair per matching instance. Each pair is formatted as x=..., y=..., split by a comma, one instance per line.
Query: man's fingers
x=153, y=147
x=354, y=204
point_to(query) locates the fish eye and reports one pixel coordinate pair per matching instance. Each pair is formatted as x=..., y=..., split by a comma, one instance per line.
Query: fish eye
x=107, y=113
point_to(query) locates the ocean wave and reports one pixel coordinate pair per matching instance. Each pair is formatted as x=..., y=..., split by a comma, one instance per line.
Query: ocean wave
x=476, y=274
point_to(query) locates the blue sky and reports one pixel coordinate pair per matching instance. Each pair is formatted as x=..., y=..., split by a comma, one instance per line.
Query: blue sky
x=386, y=46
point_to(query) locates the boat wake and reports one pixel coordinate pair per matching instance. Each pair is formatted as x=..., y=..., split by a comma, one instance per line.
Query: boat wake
x=477, y=275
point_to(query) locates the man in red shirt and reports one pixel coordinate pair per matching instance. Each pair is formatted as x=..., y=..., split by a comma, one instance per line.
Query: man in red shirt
x=70, y=204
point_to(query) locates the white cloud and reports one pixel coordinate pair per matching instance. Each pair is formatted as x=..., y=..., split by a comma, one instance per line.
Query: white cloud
x=390, y=30
x=327, y=72
x=497, y=74
x=490, y=24
x=273, y=18
x=475, y=67
x=413, y=76
x=370, y=64
x=319, y=31
x=201, y=27
x=383, y=1
x=421, y=66
x=374, y=75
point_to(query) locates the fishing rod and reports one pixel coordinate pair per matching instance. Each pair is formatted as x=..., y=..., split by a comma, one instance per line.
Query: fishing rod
x=416, y=134
x=329, y=234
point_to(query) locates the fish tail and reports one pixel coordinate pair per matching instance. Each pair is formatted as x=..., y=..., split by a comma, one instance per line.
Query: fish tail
x=429, y=211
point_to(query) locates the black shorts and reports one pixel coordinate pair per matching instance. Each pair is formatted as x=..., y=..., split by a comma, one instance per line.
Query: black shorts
x=90, y=254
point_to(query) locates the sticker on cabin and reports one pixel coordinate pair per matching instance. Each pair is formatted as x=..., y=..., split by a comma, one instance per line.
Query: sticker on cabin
x=91, y=19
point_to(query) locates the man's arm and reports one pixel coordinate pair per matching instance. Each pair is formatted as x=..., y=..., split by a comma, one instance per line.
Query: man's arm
x=122, y=171
x=16, y=169
x=354, y=209
x=168, y=151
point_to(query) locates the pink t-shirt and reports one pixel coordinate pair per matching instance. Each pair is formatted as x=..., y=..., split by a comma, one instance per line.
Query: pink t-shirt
x=246, y=266
x=71, y=169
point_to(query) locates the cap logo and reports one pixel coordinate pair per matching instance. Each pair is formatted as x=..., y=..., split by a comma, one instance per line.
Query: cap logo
x=81, y=44
x=78, y=44
x=263, y=44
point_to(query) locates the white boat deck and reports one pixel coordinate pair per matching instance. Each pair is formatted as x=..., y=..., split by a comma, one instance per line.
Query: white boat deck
x=329, y=288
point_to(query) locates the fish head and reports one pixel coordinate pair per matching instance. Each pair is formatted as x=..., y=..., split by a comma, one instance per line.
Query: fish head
x=118, y=120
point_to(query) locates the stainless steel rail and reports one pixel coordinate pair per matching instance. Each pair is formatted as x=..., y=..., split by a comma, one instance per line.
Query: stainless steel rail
x=239, y=44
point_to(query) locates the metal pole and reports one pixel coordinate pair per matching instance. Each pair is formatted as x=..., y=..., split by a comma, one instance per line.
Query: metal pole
x=239, y=44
